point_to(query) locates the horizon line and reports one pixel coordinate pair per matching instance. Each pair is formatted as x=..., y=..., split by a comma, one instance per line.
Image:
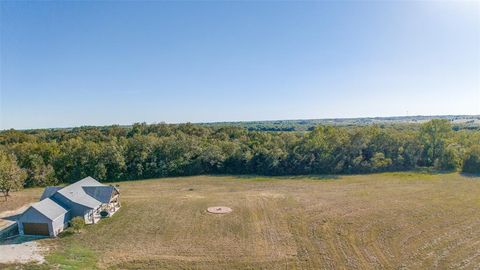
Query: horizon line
x=250, y=121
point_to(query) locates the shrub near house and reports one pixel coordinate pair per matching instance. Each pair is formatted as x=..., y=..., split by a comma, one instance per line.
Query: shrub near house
x=77, y=223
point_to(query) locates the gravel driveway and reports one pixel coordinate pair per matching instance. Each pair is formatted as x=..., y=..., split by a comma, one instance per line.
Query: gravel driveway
x=21, y=250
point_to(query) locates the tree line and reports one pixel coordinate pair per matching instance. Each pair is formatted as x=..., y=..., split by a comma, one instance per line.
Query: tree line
x=49, y=157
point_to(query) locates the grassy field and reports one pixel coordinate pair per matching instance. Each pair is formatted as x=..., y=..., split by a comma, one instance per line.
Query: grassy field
x=380, y=221
x=18, y=199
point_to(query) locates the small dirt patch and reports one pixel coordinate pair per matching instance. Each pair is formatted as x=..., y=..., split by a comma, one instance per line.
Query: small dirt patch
x=219, y=210
x=193, y=196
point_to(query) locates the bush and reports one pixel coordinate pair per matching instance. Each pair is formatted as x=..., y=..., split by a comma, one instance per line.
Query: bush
x=472, y=160
x=77, y=223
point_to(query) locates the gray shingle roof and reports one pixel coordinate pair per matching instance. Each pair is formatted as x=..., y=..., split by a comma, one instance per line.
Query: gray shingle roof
x=102, y=194
x=49, y=208
x=49, y=191
x=88, y=192
x=77, y=194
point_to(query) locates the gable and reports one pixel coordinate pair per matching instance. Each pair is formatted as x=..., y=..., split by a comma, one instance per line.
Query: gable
x=49, y=191
x=101, y=193
x=32, y=215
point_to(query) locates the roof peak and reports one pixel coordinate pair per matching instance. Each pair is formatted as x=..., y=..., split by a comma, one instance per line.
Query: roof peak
x=77, y=194
x=49, y=208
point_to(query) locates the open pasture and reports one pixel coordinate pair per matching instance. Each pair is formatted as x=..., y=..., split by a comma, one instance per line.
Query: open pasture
x=378, y=221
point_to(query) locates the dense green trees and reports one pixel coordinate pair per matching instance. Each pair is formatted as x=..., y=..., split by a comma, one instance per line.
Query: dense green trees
x=147, y=151
x=12, y=177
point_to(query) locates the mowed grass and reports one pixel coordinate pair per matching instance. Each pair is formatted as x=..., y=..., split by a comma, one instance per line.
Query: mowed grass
x=379, y=221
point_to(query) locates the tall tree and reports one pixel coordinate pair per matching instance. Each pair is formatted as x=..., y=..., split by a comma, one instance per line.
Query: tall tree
x=434, y=135
x=39, y=173
x=12, y=176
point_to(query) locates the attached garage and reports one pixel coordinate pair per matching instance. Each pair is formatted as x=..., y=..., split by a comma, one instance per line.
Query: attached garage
x=35, y=229
x=45, y=218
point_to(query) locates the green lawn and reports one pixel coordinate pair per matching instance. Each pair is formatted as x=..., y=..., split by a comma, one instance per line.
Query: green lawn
x=379, y=221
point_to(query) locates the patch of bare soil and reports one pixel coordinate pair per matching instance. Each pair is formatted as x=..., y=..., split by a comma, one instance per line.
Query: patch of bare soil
x=219, y=210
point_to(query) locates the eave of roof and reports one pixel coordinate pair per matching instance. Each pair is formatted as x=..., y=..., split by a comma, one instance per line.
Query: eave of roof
x=49, y=191
x=49, y=208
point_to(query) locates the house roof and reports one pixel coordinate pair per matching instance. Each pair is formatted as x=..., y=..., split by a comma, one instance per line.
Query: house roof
x=76, y=193
x=100, y=193
x=49, y=191
x=49, y=208
x=87, y=192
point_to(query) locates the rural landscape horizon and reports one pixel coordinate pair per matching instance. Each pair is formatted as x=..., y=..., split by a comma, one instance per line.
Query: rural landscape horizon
x=236, y=135
x=473, y=120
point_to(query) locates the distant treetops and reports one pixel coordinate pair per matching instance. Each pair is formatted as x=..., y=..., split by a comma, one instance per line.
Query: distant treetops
x=46, y=157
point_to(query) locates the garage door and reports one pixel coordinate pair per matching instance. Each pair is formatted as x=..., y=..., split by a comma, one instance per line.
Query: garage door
x=35, y=228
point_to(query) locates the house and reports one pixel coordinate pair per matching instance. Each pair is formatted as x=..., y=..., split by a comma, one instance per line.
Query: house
x=86, y=198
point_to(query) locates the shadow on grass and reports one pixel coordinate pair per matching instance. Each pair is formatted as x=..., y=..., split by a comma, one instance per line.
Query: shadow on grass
x=471, y=175
x=325, y=177
x=283, y=177
x=19, y=239
x=430, y=170
x=66, y=233
x=14, y=217
x=28, y=266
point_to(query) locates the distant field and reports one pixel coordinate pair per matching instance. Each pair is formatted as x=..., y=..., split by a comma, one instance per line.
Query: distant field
x=459, y=122
x=381, y=221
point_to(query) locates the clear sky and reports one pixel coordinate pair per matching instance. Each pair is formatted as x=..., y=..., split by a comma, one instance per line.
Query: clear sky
x=96, y=63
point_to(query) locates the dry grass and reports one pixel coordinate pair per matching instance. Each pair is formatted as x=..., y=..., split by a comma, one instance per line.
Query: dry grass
x=15, y=203
x=19, y=199
x=381, y=221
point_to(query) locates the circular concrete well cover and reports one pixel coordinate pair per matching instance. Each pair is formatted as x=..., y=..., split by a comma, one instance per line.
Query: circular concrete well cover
x=219, y=210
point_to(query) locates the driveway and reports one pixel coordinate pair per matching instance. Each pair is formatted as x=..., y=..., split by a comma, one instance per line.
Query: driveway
x=21, y=249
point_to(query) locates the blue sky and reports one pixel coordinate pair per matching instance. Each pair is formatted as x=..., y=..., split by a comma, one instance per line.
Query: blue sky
x=97, y=63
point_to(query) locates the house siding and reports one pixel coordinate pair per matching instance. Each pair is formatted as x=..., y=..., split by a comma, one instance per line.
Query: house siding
x=33, y=216
x=54, y=226
x=60, y=224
